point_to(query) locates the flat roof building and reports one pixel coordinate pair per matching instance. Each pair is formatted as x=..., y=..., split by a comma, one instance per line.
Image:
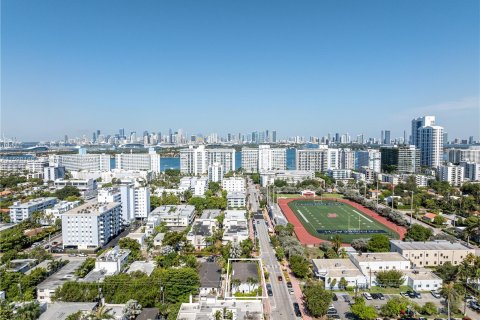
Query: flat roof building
x=22, y=211
x=46, y=289
x=431, y=253
x=175, y=215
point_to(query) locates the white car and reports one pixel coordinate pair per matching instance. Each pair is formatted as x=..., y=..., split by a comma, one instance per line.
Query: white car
x=367, y=296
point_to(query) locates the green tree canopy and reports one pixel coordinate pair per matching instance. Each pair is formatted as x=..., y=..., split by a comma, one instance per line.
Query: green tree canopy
x=379, y=243
x=362, y=310
x=390, y=278
x=317, y=299
x=67, y=191
x=418, y=233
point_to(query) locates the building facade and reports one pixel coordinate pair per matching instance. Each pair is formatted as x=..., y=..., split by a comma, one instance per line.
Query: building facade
x=23, y=211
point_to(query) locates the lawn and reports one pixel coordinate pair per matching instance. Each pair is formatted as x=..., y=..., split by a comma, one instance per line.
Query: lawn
x=325, y=219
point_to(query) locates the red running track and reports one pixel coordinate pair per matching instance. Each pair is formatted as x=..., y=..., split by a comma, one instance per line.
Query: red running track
x=307, y=239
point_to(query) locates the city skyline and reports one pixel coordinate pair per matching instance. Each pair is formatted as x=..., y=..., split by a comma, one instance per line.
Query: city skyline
x=70, y=68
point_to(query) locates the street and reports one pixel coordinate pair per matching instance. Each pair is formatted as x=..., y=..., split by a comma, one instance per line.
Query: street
x=281, y=301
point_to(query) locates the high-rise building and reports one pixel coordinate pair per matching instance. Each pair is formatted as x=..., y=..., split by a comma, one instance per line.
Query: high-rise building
x=417, y=124
x=81, y=161
x=91, y=225
x=138, y=161
x=431, y=145
x=274, y=136
x=452, y=174
x=193, y=161
x=370, y=159
x=472, y=154
x=387, y=139
x=22, y=211
x=223, y=156
x=402, y=159
x=346, y=159
x=264, y=158
x=471, y=170
x=215, y=172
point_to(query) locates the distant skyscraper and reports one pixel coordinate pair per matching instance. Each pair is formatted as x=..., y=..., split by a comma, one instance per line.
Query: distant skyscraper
x=337, y=137
x=66, y=139
x=121, y=132
x=274, y=136
x=94, y=137
x=387, y=137
x=382, y=138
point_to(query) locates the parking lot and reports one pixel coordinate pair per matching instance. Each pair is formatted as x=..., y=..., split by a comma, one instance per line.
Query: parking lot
x=343, y=307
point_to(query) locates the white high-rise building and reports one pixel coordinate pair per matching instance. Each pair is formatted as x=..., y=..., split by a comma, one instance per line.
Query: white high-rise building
x=20, y=164
x=135, y=200
x=452, y=174
x=225, y=157
x=333, y=159
x=91, y=225
x=417, y=124
x=264, y=159
x=472, y=154
x=312, y=159
x=431, y=145
x=138, y=161
x=371, y=159
x=471, y=170
x=193, y=161
x=83, y=161
x=215, y=172
x=347, y=159
x=53, y=173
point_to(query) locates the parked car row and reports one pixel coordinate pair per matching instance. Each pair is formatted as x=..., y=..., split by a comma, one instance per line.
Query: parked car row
x=411, y=294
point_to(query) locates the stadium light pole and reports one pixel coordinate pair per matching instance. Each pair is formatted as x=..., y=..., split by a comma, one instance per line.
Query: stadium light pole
x=411, y=206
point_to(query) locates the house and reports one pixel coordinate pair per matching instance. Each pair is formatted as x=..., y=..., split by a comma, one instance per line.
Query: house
x=61, y=310
x=46, y=289
x=201, y=232
x=236, y=199
x=21, y=265
x=235, y=226
x=429, y=216
x=137, y=236
x=149, y=314
x=332, y=271
x=146, y=267
x=244, y=278
x=210, y=279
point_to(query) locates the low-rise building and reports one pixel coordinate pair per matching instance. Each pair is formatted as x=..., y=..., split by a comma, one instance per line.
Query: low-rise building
x=423, y=280
x=55, y=212
x=290, y=176
x=46, y=289
x=146, y=267
x=332, y=271
x=431, y=253
x=112, y=261
x=21, y=265
x=61, y=310
x=137, y=236
x=175, y=215
x=53, y=173
x=247, y=309
x=236, y=199
x=22, y=211
x=201, y=232
x=158, y=240
x=87, y=187
x=234, y=184
x=210, y=279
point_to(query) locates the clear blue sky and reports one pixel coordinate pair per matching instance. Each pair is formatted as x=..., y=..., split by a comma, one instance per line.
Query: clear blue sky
x=300, y=67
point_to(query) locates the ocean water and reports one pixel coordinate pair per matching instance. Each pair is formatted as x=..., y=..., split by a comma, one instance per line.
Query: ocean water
x=174, y=162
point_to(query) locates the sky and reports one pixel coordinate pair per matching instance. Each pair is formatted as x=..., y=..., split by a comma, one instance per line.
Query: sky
x=299, y=67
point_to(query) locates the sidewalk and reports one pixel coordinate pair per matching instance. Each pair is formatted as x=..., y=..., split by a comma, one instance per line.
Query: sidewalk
x=298, y=294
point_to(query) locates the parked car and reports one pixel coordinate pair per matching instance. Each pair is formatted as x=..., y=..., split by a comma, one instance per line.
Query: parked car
x=280, y=278
x=367, y=296
x=289, y=285
x=332, y=312
x=436, y=294
x=381, y=296
x=334, y=297
x=333, y=316
x=296, y=309
x=404, y=294
x=346, y=298
x=474, y=305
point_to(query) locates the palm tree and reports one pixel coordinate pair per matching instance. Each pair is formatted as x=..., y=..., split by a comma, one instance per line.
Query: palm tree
x=236, y=283
x=336, y=243
x=450, y=294
x=100, y=313
x=343, y=253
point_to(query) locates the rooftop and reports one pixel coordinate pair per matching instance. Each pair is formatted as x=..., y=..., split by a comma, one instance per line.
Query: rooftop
x=236, y=194
x=252, y=309
x=60, y=277
x=113, y=254
x=429, y=245
x=336, y=268
x=201, y=229
x=210, y=213
x=235, y=215
x=244, y=270
x=32, y=202
x=177, y=210
x=61, y=310
x=93, y=208
x=378, y=256
x=210, y=275
x=142, y=266
x=421, y=274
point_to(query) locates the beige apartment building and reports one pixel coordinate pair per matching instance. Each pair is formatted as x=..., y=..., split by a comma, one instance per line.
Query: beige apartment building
x=431, y=253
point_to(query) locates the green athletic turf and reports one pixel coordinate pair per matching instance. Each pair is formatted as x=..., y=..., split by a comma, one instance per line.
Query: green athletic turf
x=316, y=218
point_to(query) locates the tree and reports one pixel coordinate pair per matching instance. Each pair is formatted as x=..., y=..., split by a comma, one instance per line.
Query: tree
x=362, y=310
x=100, y=313
x=85, y=268
x=246, y=247
x=429, y=309
x=133, y=246
x=132, y=309
x=343, y=283
x=390, y=278
x=67, y=191
x=30, y=311
x=300, y=266
x=337, y=243
x=378, y=243
x=214, y=187
x=360, y=244
x=447, y=271
x=395, y=306
x=317, y=299
x=439, y=220
x=280, y=253
x=451, y=296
